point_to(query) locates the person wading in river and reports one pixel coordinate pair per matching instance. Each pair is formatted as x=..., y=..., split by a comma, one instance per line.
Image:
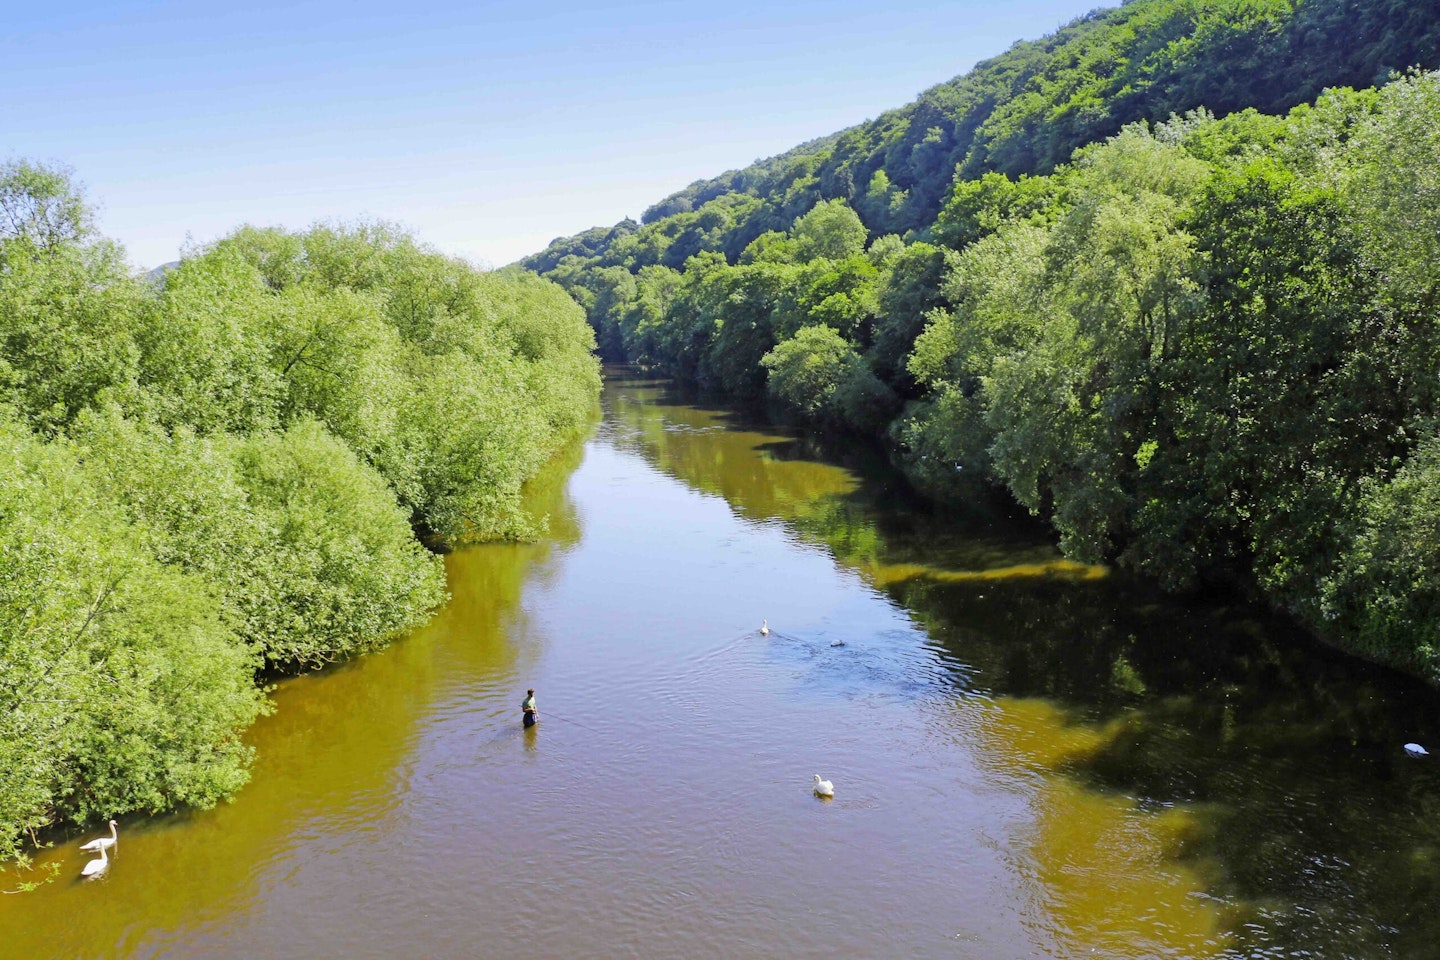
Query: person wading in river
x=527, y=708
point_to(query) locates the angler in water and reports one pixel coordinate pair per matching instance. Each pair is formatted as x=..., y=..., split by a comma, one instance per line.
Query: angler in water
x=527, y=709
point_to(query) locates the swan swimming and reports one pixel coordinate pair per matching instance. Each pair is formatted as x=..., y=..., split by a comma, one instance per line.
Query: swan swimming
x=824, y=788
x=96, y=867
x=764, y=628
x=103, y=843
x=1415, y=750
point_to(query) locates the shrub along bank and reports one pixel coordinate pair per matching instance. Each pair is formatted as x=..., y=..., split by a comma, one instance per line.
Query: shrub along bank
x=217, y=474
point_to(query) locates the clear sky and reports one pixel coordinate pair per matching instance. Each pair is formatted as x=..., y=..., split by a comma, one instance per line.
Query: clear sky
x=488, y=128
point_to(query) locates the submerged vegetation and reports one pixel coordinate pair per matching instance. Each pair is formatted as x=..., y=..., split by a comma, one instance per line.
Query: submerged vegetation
x=1143, y=274
x=216, y=475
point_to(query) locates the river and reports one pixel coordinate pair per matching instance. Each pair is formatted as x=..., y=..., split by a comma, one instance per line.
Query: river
x=1031, y=758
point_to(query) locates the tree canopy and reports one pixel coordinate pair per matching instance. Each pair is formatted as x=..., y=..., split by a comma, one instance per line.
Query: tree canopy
x=219, y=474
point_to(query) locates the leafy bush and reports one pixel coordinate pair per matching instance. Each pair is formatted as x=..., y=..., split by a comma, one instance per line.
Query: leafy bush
x=122, y=684
x=305, y=546
x=806, y=370
x=1384, y=598
x=217, y=473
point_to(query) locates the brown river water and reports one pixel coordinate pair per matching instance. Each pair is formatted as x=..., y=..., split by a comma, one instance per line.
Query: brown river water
x=1031, y=758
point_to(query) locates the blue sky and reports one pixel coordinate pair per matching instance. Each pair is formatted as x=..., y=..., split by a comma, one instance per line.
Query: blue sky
x=487, y=128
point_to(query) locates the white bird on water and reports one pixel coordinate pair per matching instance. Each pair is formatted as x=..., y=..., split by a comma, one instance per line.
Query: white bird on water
x=764, y=628
x=824, y=788
x=96, y=867
x=103, y=843
x=1415, y=750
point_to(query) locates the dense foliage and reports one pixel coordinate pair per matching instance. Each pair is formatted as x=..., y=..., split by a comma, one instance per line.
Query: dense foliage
x=1204, y=345
x=1025, y=112
x=218, y=473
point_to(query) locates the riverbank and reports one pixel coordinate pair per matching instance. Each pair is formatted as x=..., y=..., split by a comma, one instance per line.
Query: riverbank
x=1203, y=348
x=214, y=477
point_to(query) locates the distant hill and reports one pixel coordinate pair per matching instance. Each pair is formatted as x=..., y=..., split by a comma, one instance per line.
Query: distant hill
x=1028, y=109
x=157, y=275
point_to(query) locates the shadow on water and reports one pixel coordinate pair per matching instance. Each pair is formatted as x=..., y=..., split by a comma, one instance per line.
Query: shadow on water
x=1270, y=764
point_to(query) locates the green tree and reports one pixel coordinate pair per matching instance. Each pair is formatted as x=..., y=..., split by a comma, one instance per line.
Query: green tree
x=1384, y=596
x=831, y=230
x=806, y=370
x=67, y=303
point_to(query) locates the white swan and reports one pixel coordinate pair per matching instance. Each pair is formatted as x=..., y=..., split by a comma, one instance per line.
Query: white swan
x=1415, y=750
x=824, y=788
x=96, y=867
x=103, y=843
x=764, y=628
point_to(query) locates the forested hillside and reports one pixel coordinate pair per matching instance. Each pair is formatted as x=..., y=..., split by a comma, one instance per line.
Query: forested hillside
x=218, y=474
x=1141, y=273
x=1026, y=111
